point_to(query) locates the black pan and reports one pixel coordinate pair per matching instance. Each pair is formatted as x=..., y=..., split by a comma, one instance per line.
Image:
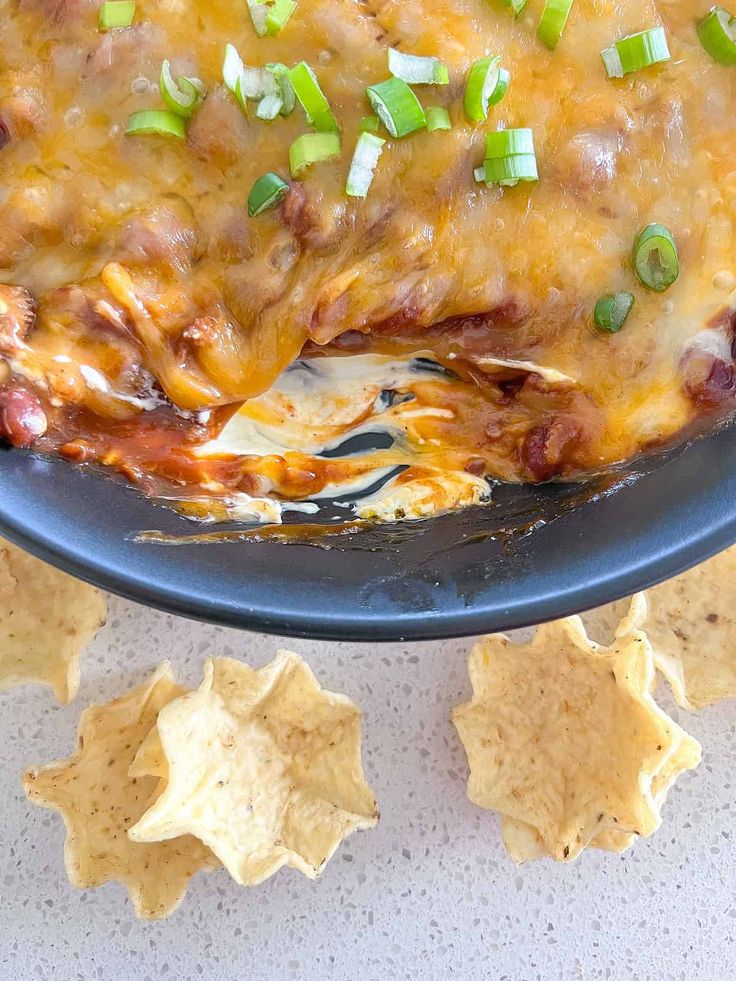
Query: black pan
x=536, y=554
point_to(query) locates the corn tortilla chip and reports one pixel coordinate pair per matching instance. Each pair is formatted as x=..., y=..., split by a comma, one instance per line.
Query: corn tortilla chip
x=691, y=622
x=605, y=623
x=263, y=766
x=563, y=736
x=99, y=802
x=47, y=618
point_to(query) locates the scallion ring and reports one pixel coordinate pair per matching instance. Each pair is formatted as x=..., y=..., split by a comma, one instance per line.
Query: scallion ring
x=397, y=107
x=508, y=171
x=116, y=13
x=437, y=118
x=656, y=259
x=552, y=23
x=416, y=69
x=278, y=14
x=266, y=193
x=717, y=33
x=258, y=14
x=312, y=98
x=161, y=122
x=505, y=142
x=181, y=97
x=288, y=96
x=486, y=86
x=312, y=148
x=612, y=310
x=637, y=51
x=368, y=149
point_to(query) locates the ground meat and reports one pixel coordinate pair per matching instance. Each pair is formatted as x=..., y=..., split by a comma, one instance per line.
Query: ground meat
x=162, y=235
x=22, y=419
x=545, y=446
x=219, y=132
x=17, y=314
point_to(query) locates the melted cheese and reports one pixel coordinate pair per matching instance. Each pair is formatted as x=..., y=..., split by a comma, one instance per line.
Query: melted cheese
x=217, y=313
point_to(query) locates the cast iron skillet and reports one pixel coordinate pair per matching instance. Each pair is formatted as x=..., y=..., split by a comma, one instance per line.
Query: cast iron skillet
x=457, y=575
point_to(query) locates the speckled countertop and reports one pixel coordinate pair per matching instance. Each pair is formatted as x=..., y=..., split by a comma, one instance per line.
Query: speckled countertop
x=430, y=893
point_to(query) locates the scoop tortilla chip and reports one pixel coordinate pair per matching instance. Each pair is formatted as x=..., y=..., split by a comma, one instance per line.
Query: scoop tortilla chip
x=563, y=737
x=263, y=766
x=46, y=620
x=691, y=622
x=605, y=623
x=99, y=802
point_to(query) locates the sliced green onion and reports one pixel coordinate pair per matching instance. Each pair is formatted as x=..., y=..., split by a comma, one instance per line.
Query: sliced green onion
x=270, y=106
x=506, y=142
x=159, y=121
x=181, y=97
x=369, y=124
x=656, y=260
x=397, y=107
x=635, y=52
x=717, y=33
x=116, y=13
x=278, y=14
x=552, y=24
x=486, y=86
x=508, y=171
x=367, y=151
x=312, y=98
x=612, y=310
x=417, y=70
x=266, y=193
x=232, y=67
x=258, y=14
x=437, y=118
x=312, y=148
x=288, y=96
x=516, y=6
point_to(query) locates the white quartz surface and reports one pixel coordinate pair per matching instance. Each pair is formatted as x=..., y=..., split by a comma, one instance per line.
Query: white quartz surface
x=430, y=893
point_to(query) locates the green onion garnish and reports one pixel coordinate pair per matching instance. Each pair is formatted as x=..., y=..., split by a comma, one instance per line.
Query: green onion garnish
x=367, y=151
x=510, y=158
x=397, y=107
x=266, y=193
x=258, y=14
x=437, y=118
x=159, y=121
x=288, y=96
x=312, y=98
x=508, y=171
x=417, y=70
x=656, y=261
x=312, y=148
x=506, y=142
x=486, y=86
x=552, y=24
x=270, y=106
x=369, y=124
x=278, y=14
x=181, y=97
x=116, y=13
x=612, y=310
x=717, y=33
x=232, y=68
x=516, y=6
x=635, y=52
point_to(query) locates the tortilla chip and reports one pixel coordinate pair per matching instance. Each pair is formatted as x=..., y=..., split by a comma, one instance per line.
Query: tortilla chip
x=563, y=736
x=264, y=767
x=99, y=802
x=691, y=623
x=605, y=623
x=46, y=620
